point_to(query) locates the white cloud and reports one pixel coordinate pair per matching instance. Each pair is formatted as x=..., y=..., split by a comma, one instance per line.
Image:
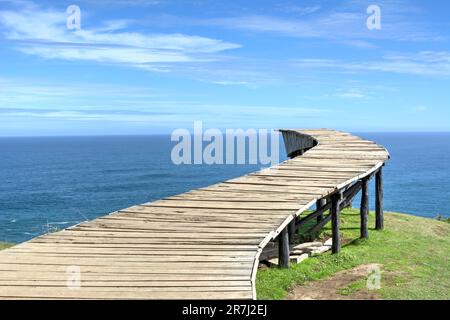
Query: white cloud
x=234, y=83
x=130, y=56
x=267, y=24
x=24, y=98
x=345, y=23
x=114, y=25
x=302, y=10
x=352, y=94
x=179, y=113
x=43, y=33
x=141, y=3
x=425, y=63
x=26, y=93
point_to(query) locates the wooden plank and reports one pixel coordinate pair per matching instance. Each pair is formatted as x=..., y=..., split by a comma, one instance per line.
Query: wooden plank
x=283, y=183
x=230, y=195
x=224, y=205
x=173, y=229
x=177, y=225
x=88, y=239
x=26, y=258
x=284, y=189
x=84, y=293
x=57, y=250
x=230, y=199
x=12, y=276
x=183, y=234
x=137, y=247
x=305, y=176
x=127, y=270
x=130, y=284
x=154, y=210
x=102, y=259
x=197, y=215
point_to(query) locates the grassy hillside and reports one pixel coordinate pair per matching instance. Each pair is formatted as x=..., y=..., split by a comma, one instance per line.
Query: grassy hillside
x=414, y=254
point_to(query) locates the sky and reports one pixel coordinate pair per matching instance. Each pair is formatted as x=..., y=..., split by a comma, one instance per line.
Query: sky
x=152, y=66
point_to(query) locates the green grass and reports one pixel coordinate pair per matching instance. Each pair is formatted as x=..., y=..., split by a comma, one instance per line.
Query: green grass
x=353, y=287
x=4, y=245
x=414, y=253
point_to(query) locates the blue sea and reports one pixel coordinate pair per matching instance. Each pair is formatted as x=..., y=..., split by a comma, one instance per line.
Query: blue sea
x=49, y=183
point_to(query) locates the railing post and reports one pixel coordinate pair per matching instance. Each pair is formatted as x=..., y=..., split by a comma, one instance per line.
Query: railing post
x=319, y=204
x=364, y=211
x=335, y=222
x=283, y=249
x=379, y=219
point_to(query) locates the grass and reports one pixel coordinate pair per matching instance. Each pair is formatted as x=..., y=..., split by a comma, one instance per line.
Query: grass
x=353, y=287
x=4, y=245
x=440, y=217
x=414, y=253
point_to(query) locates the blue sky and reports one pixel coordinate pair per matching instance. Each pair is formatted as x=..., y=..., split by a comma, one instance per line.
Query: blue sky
x=150, y=66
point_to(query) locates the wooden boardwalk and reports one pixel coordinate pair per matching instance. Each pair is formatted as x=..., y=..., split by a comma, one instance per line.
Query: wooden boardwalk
x=203, y=244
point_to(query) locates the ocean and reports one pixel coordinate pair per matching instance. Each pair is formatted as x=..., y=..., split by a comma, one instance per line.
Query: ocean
x=49, y=183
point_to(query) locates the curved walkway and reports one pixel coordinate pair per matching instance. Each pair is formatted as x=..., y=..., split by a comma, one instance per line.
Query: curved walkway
x=203, y=244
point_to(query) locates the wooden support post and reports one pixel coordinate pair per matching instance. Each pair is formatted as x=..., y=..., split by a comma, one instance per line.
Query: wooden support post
x=283, y=249
x=319, y=204
x=364, y=209
x=379, y=219
x=292, y=229
x=335, y=222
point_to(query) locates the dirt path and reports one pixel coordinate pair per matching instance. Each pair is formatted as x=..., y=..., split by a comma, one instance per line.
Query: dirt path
x=328, y=289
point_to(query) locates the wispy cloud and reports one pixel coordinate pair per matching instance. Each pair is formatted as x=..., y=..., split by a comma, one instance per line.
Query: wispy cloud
x=114, y=25
x=176, y=115
x=352, y=93
x=302, y=10
x=43, y=32
x=424, y=63
x=140, y=3
x=89, y=115
x=21, y=99
x=345, y=23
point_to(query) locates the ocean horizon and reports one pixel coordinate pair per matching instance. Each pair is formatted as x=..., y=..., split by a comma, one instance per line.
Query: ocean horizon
x=51, y=183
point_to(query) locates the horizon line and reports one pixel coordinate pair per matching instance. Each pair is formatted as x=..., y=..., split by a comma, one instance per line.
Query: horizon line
x=168, y=134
